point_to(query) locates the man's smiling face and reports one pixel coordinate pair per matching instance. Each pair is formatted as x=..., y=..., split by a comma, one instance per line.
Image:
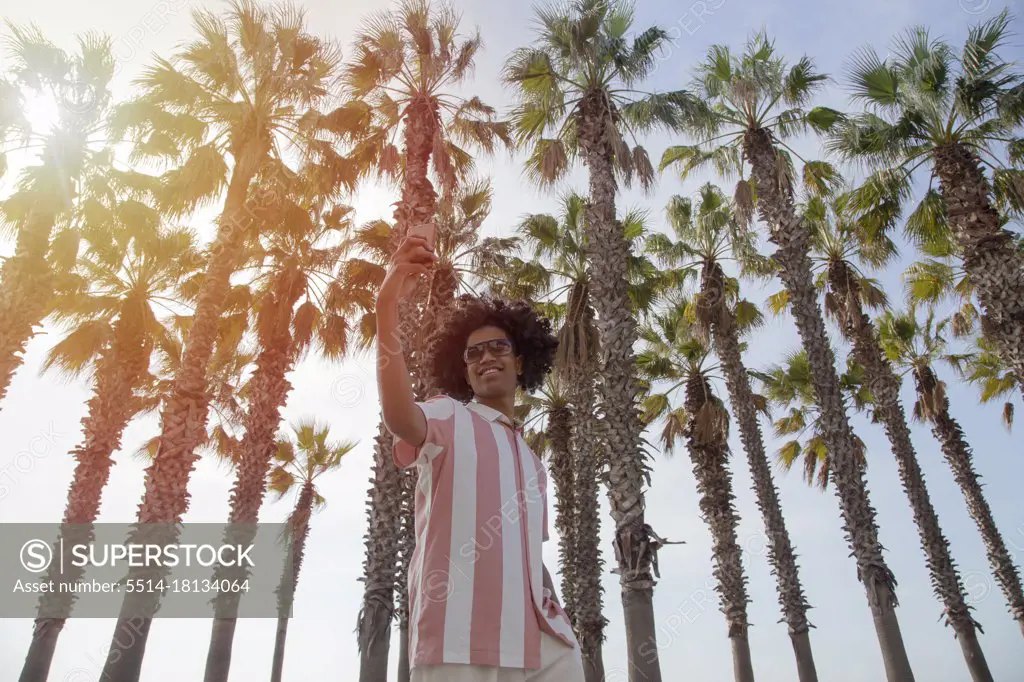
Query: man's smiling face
x=492, y=367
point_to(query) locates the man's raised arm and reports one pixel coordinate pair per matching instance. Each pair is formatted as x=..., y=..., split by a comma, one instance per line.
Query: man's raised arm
x=398, y=405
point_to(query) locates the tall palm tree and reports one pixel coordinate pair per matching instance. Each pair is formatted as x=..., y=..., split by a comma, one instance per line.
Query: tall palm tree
x=406, y=62
x=708, y=232
x=675, y=353
x=298, y=466
x=249, y=83
x=915, y=348
x=50, y=199
x=839, y=247
x=557, y=245
x=927, y=105
x=109, y=307
x=752, y=103
x=577, y=87
x=297, y=304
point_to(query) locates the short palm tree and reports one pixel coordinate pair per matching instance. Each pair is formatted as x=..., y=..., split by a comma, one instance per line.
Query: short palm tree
x=708, y=232
x=752, y=103
x=249, y=84
x=111, y=309
x=298, y=466
x=297, y=304
x=915, y=347
x=788, y=385
x=927, y=105
x=577, y=85
x=48, y=206
x=674, y=353
x=842, y=251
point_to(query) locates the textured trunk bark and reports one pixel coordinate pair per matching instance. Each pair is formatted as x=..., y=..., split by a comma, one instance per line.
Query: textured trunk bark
x=706, y=432
x=269, y=393
x=587, y=561
x=781, y=556
x=775, y=208
x=885, y=388
x=26, y=286
x=562, y=466
x=991, y=257
x=608, y=254
x=109, y=410
x=959, y=457
x=183, y=419
x=383, y=512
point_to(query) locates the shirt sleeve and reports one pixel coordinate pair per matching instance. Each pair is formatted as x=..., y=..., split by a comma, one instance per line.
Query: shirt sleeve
x=440, y=414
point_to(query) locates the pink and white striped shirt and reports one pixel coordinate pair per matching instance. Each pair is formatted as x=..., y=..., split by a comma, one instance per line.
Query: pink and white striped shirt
x=476, y=587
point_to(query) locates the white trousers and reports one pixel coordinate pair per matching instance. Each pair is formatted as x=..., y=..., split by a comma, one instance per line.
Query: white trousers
x=558, y=663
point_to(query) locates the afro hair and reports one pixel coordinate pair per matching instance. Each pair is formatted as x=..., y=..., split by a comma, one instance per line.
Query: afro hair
x=529, y=331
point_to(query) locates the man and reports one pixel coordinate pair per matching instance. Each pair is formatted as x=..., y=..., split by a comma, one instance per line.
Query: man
x=481, y=603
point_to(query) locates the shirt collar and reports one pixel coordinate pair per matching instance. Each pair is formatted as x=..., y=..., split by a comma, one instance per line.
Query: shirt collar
x=492, y=414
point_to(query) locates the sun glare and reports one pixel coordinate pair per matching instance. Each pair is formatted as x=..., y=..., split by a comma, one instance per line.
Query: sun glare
x=42, y=111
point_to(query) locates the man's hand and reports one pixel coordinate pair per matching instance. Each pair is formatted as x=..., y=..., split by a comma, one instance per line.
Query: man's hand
x=412, y=258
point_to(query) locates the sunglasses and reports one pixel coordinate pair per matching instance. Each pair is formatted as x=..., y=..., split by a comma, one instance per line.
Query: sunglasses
x=475, y=353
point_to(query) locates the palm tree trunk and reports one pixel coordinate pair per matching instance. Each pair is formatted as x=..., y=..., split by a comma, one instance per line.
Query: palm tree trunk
x=992, y=259
x=183, y=419
x=562, y=466
x=775, y=208
x=277, y=666
x=885, y=389
x=26, y=286
x=109, y=410
x=588, y=565
x=706, y=433
x=781, y=556
x=959, y=457
x=383, y=516
x=269, y=392
x=607, y=253
x=299, y=521
x=406, y=547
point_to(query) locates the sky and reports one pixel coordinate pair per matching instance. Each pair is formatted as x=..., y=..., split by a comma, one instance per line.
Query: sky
x=41, y=415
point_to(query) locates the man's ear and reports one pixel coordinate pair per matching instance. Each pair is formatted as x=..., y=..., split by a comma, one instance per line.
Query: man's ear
x=519, y=365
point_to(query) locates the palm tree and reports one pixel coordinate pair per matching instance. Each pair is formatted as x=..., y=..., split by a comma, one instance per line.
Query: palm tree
x=927, y=106
x=837, y=244
x=706, y=234
x=298, y=304
x=551, y=405
x=915, y=347
x=560, y=267
x=260, y=91
x=675, y=353
x=109, y=308
x=578, y=101
x=789, y=385
x=405, y=64
x=752, y=103
x=298, y=466
x=49, y=202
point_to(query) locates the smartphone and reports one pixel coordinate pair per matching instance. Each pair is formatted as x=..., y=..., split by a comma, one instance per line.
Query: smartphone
x=426, y=230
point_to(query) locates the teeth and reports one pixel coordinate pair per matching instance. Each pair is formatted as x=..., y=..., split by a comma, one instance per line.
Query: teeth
x=490, y=371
